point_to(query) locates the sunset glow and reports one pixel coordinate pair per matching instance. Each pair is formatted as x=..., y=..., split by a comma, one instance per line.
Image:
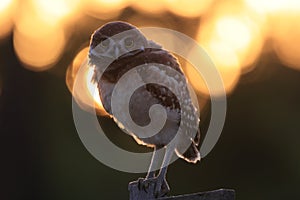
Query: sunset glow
x=5, y=4
x=234, y=33
x=7, y=9
x=104, y=9
x=269, y=7
x=41, y=48
x=55, y=10
x=191, y=8
x=285, y=35
x=149, y=6
x=79, y=81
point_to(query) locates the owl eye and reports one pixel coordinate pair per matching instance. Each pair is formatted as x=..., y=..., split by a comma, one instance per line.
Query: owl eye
x=129, y=42
x=104, y=43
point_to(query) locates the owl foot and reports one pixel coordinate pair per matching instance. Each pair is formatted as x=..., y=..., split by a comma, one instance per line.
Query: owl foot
x=158, y=185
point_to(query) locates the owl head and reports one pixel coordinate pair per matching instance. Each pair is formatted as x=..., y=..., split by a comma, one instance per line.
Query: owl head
x=115, y=40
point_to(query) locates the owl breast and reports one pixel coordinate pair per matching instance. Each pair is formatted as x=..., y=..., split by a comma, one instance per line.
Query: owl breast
x=150, y=94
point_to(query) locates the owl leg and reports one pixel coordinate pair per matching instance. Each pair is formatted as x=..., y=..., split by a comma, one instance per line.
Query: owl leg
x=162, y=187
x=154, y=164
x=155, y=161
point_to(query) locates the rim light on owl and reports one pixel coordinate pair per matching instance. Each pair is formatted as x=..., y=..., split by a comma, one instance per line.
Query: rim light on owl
x=94, y=138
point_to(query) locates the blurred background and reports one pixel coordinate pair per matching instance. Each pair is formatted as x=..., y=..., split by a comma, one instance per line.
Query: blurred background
x=255, y=44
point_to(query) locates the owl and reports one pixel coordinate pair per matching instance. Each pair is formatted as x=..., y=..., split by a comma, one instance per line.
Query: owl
x=116, y=48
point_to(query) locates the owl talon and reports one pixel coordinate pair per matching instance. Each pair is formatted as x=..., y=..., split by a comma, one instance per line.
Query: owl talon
x=143, y=184
x=161, y=188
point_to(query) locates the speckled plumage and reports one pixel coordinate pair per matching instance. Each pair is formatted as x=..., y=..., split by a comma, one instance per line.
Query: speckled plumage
x=153, y=57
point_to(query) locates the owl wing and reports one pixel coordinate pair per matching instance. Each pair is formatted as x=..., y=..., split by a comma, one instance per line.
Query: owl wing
x=169, y=75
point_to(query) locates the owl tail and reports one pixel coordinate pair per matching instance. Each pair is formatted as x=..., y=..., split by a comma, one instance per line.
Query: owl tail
x=192, y=154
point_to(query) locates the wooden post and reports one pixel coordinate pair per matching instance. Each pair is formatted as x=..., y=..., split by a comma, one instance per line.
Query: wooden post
x=221, y=194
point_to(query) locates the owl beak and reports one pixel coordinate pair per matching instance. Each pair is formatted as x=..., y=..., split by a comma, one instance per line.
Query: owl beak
x=116, y=52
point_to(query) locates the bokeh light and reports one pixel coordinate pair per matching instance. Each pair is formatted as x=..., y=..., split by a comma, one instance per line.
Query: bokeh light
x=55, y=10
x=149, y=6
x=271, y=7
x=228, y=69
x=38, y=44
x=104, y=9
x=232, y=32
x=285, y=35
x=146, y=21
x=232, y=35
x=5, y=4
x=39, y=49
x=191, y=8
x=283, y=27
x=7, y=9
x=86, y=92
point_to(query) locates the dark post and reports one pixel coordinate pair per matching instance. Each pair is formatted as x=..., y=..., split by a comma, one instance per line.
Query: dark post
x=137, y=194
